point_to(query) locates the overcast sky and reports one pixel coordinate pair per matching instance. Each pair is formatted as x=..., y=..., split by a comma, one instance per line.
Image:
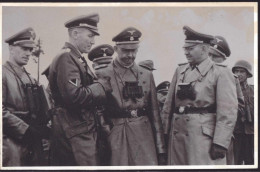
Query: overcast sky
x=161, y=27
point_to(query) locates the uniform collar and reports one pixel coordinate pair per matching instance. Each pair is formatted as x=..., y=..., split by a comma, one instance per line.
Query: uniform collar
x=204, y=66
x=185, y=67
x=75, y=52
x=122, y=69
x=18, y=69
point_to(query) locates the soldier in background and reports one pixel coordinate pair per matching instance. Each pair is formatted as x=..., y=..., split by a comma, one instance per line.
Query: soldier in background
x=136, y=137
x=162, y=91
x=21, y=135
x=76, y=93
x=101, y=56
x=244, y=130
x=219, y=51
x=148, y=64
x=201, y=106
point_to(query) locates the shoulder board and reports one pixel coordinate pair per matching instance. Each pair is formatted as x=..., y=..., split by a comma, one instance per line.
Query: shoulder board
x=66, y=50
x=181, y=64
x=222, y=65
x=63, y=51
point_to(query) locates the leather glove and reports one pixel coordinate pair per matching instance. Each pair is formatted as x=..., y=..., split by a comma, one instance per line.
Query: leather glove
x=217, y=152
x=162, y=159
x=105, y=82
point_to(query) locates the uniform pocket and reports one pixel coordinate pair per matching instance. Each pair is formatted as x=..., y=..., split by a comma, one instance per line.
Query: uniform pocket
x=208, y=130
x=77, y=129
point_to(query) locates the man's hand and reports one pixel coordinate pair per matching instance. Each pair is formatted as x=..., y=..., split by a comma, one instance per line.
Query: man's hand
x=217, y=152
x=105, y=82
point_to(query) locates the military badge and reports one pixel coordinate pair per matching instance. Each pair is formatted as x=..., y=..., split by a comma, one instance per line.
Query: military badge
x=181, y=109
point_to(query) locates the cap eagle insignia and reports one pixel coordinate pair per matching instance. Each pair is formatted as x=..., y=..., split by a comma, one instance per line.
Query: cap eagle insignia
x=104, y=50
x=131, y=33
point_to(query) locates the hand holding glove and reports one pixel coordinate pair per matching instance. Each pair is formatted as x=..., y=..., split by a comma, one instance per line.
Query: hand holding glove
x=217, y=152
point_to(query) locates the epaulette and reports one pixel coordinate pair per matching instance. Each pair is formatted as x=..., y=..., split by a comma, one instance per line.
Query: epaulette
x=222, y=65
x=63, y=51
x=183, y=64
x=67, y=50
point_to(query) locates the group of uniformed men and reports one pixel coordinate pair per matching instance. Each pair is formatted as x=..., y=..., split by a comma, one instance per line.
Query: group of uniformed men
x=116, y=115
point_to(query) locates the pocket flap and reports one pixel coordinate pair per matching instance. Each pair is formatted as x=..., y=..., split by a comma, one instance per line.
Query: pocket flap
x=208, y=130
x=76, y=129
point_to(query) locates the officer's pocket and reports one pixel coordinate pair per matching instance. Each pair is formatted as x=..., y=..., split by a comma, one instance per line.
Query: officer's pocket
x=208, y=130
x=76, y=129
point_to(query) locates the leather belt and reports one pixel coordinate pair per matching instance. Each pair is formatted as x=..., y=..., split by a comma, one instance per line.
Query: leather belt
x=193, y=110
x=133, y=113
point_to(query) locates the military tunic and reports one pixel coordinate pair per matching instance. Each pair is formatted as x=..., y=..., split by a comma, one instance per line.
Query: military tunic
x=76, y=96
x=244, y=129
x=136, y=140
x=241, y=106
x=191, y=135
x=15, y=111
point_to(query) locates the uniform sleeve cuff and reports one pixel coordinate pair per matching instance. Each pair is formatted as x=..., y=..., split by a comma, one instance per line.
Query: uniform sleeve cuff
x=222, y=135
x=23, y=128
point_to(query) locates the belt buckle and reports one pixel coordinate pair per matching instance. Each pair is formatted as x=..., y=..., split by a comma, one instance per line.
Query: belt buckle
x=134, y=113
x=181, y=109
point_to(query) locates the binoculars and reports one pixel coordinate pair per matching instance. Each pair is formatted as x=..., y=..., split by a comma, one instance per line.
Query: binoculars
x=186, y=91
x=132, y=90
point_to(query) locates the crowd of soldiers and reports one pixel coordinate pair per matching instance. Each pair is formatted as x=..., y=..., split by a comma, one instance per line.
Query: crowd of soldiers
x=115, y=115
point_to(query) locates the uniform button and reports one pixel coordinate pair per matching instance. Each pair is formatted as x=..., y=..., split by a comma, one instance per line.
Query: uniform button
x=176, y=118
x=145, y=92
x=144, y=82
x=187, y=134
x=175, y=132
x=141, y=73
x=187, y=119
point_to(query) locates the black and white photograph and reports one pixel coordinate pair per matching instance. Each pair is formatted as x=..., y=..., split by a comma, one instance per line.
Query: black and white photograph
x=129, y=85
